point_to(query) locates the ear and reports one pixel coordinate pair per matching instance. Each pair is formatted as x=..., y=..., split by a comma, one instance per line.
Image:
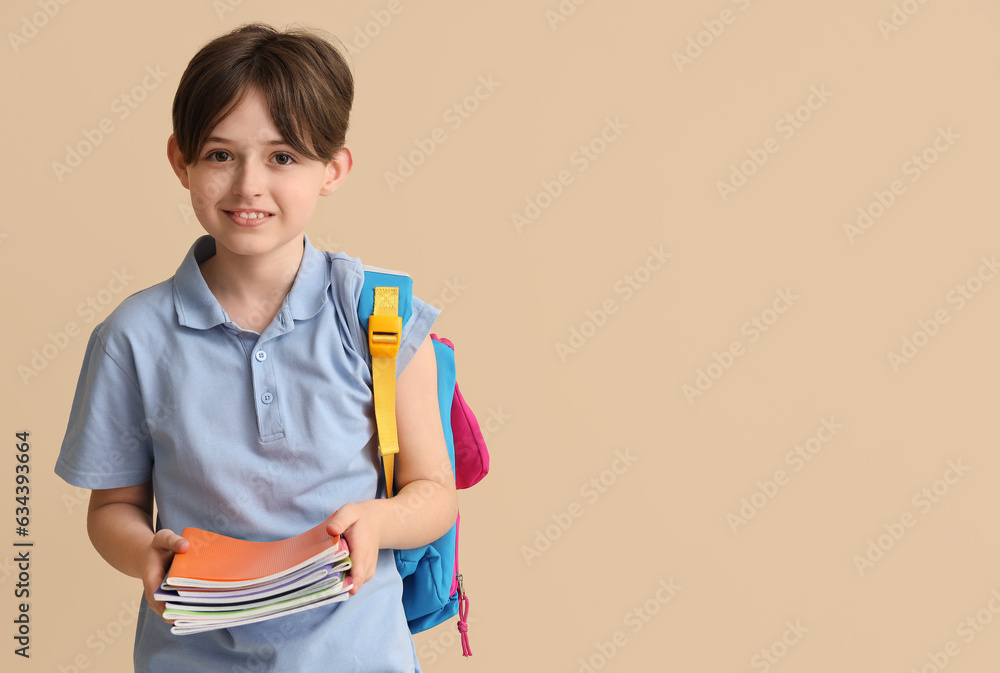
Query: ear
x=337, y=171
x=176, y=159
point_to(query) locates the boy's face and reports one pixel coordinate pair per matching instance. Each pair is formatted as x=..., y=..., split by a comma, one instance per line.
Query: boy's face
x=252, y=192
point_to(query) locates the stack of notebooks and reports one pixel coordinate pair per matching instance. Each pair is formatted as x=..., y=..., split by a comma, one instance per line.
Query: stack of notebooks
x=222, y=582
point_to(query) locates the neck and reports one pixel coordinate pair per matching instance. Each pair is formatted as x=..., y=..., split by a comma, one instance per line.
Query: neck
x=242, y=281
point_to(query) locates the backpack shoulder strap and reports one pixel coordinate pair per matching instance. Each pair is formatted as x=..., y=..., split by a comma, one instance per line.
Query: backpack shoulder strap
x=377, y=277
x=383, y=308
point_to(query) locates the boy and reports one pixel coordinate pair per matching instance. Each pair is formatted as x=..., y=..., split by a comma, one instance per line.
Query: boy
x=237, y=394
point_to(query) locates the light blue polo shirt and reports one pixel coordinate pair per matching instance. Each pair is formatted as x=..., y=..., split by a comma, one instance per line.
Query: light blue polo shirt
x=256, y=436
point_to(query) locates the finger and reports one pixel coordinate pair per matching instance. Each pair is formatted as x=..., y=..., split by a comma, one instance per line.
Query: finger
x=156, y=605
x=361, y=572
x=168, y=540
x=159, y=608
x=149, y=586
x=359, y=577
x=356, y=579
x=334, y=528
x=341, y=520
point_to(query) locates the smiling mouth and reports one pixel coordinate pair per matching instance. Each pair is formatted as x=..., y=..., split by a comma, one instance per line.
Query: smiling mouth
x=248, y=218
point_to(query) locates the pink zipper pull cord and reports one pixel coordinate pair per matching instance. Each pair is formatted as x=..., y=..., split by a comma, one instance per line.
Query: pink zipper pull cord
x=463, y=617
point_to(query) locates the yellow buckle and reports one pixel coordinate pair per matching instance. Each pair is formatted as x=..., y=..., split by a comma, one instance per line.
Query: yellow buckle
x=384, y=451
x=383, y=335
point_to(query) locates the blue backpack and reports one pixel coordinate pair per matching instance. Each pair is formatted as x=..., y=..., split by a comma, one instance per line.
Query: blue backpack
x=433, y=589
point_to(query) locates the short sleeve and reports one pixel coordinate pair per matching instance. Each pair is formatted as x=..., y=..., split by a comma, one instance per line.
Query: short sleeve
x=107, y=442
x=416, y=329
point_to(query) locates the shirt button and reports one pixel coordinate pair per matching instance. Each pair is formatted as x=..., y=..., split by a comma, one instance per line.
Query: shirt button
x=260, y=355
x=267, y=398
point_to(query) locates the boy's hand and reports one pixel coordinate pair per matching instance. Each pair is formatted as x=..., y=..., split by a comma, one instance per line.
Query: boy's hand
x=161, y=551
x=357, y=523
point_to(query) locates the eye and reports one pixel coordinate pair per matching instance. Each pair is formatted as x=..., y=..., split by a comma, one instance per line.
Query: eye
x=218, y=155
x=284, y=159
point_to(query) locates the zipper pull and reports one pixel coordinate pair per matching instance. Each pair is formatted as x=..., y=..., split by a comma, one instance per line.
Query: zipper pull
x=463, y=617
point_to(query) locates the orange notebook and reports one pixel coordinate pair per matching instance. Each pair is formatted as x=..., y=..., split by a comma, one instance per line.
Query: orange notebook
x=217, y=561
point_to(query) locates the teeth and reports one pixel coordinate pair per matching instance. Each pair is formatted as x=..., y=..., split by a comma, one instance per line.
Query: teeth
x=251, y=215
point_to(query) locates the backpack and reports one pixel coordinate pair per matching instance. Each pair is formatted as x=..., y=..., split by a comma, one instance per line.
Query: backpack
x=433, y=589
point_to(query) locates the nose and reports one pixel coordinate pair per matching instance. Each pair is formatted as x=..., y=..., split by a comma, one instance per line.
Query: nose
x=249, y=179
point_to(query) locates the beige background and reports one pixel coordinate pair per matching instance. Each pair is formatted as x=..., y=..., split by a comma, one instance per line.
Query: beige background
x=547, y=597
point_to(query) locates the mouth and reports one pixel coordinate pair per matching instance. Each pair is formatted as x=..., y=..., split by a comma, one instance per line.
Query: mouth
x=249, y=218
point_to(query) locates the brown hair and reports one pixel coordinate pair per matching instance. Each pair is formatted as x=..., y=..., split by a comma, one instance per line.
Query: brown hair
x=304, y=80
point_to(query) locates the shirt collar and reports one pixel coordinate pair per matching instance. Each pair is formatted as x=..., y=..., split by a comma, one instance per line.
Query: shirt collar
x=198, y=308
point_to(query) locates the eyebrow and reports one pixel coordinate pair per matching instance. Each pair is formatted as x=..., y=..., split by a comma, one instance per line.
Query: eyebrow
x=227, y=141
